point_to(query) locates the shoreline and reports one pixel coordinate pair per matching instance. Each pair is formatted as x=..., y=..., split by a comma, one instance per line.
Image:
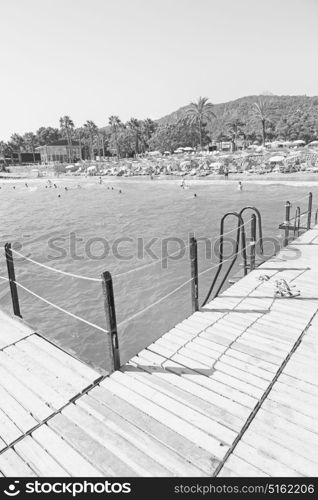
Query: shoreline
x=288, y=180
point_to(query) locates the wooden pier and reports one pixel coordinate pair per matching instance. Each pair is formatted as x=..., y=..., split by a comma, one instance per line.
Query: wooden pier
x=230, y=391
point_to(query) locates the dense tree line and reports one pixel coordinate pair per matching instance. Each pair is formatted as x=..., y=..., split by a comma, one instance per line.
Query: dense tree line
x=253, y=118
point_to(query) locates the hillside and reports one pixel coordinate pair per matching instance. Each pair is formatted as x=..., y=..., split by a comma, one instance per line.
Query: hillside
x=290, y=117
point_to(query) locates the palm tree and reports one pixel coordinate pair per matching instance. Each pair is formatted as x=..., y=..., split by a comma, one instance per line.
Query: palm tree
x=3, y=150
x=115, y=125
x=91, y=129
x=148, y=128
x=30, y=141
x=199, y=113
x=18, y=144
x=260, y=110
x=67, y=127
x=235, y=127
x=135, y=126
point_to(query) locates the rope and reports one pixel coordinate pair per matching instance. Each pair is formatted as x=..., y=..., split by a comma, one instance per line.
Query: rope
x=176, y=289
x=3, y=278
x=61, y=308
x=301, y=198
x=228, y=232
x=55, y=270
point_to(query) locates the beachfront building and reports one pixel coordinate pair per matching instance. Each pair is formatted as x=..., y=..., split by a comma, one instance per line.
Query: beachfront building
x=60, y=152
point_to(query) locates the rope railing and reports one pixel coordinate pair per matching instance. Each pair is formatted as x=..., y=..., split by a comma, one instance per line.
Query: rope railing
x=107, y=283
x=176, y=290
x=59, y=271
x=60, y=308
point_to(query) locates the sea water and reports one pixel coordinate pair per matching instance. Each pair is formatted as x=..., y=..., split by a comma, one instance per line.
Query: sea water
x=92, y=228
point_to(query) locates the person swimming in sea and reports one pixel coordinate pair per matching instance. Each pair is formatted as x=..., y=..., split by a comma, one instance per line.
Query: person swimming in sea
x=240, y=186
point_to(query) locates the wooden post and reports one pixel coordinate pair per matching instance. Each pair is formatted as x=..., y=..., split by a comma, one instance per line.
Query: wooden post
x=11, y=275
x=111, y=324
x=309, y=211
x=253, y=242
x=194, y=274
x=286, y=223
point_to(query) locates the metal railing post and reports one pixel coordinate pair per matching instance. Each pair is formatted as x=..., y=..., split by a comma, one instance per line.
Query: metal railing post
x=309, y=211
x=316, y=216
x=111, y=323
x=194, y=274
x=11, y=275
x=286, y=223
x=253, y=242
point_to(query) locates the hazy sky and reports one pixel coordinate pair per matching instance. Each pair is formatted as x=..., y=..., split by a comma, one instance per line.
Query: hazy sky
x=145, y=58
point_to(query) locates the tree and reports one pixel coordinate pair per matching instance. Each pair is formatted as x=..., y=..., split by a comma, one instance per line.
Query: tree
x=47, y=135
x=115, y=126
x=17, y=144
x=91, y=130
x=235, y=128
x=135, y=126
x=148, y=128
x=67, y=128
x=261, y=112
x=199, y=114
x=30, y=142
x=3, y=151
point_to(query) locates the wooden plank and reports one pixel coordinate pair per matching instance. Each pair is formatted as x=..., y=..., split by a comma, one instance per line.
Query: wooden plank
x=9, y=432
x=291, y=414
x=166, y=457
x=257, y=352
x=53, y=380
x=63, y=453
x=155, y=360
x=11, y=465
x=259, y=363
x=281, y=454
x=83, y=370
x=263, y=461
x=16, y=412
x=24, y=396
x=241, y=468
x=92, y=449
x=241, y=374
x=293, y=442
x=169, y=419
x=35, y=384
x=54, y=365
x=247, y=367
x=213, y=405
x=38, y=459
x=199, y=391
x=299, y=384
x=236, y=383
x=141, y=463
x=180, y=445
x=286, y=426
x=168, y=400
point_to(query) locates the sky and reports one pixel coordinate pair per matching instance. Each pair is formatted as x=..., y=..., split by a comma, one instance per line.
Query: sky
x=90, y=59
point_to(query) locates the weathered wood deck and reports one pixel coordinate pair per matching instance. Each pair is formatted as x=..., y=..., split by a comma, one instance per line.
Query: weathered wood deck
x=230, y=391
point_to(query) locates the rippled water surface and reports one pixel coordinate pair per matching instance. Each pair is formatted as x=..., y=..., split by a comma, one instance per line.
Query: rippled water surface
x=101, y=219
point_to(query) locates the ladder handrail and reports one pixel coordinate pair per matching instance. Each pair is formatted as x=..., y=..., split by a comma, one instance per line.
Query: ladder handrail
x=240, y=234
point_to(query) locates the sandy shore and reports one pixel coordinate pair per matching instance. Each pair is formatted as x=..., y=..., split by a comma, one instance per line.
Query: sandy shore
x=299, y=179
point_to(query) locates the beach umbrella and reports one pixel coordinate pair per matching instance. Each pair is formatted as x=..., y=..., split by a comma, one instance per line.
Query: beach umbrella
x=299, y=142
x=276, y=159
x=188, y=149
x=313, y=143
